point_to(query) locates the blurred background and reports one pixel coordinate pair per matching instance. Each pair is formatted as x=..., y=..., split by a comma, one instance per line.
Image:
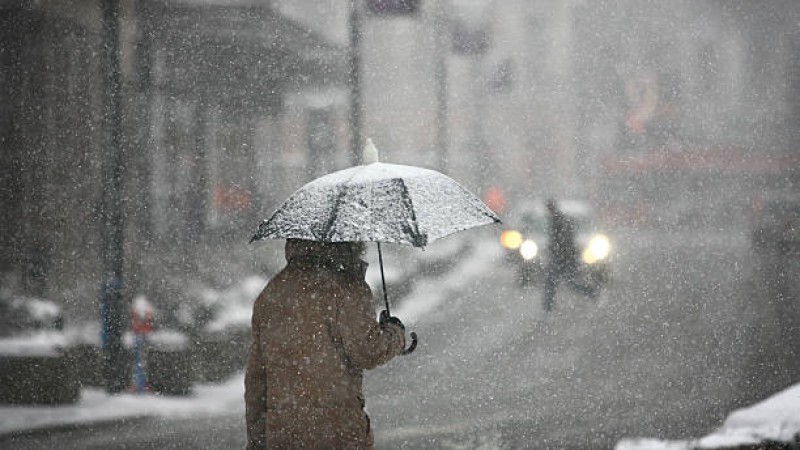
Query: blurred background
x=143, y=141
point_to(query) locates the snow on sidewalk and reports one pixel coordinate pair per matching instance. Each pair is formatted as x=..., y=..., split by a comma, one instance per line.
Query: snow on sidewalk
x=96, y=405
x=774, y=419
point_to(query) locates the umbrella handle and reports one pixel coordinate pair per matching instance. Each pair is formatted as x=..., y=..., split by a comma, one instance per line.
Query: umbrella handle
x=386, y=302
x=412, y=346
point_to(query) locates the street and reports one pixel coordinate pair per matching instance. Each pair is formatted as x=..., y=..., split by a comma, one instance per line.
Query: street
x=676, y=342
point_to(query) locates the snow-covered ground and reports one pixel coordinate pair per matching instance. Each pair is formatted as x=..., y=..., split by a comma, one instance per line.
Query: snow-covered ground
x=96, y=405
x=776, y=418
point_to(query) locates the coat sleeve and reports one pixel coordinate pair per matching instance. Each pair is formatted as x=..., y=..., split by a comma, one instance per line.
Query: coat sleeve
x=366, y=343
x=255, y=388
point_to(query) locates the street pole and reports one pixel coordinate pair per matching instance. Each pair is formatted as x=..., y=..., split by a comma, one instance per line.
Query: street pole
x=355, y=83
x=440, y=52
x=113, y=310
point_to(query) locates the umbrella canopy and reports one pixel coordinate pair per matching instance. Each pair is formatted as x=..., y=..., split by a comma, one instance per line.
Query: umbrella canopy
x=377, y=203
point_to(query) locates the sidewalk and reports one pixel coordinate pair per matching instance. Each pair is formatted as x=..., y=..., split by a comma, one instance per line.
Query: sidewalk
x=96, y=406
x=774, y=419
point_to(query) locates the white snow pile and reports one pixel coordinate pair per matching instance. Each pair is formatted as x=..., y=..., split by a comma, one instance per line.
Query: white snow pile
x=233, y=307
x=29, y=327
x=35, y=343
x=42, y=310
x=774, y=419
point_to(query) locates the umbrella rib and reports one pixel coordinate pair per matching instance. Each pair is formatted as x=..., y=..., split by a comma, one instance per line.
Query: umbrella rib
x=260, y=233
x=487, y=211
x=335, y=210
x=420, y=240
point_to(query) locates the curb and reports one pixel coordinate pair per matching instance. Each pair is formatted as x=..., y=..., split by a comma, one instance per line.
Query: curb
x=10, y=436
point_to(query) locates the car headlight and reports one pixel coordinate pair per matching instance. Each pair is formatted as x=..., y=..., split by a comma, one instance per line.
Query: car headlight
x=511, y=239
x=528, y=249
x=598, y=249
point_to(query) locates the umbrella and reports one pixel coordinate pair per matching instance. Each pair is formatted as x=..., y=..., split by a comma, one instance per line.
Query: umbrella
x=377, y=202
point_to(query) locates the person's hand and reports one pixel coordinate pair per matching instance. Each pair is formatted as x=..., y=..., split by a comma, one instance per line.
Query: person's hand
x=386, y=318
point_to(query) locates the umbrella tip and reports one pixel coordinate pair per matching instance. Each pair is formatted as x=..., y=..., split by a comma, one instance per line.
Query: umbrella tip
x=370, y=153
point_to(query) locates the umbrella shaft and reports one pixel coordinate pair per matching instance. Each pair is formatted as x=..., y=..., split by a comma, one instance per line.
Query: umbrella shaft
x=383, y=280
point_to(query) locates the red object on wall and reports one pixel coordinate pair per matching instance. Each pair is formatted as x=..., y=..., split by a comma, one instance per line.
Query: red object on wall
x=231, y=198
x=495, y=199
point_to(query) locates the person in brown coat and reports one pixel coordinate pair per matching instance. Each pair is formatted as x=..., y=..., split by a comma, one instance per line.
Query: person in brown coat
x=314, y=332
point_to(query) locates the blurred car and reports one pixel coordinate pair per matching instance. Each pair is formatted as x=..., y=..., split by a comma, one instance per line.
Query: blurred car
x=36, y=366
x=525, y=241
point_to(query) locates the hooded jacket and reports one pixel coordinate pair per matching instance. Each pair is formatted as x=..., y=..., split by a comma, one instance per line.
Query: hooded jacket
x=314, y=332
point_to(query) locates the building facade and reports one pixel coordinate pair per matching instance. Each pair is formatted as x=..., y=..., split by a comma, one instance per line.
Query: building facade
x=222, y=104
x=229, y=105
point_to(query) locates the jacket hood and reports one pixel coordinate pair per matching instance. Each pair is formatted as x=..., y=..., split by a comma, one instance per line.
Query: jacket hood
x=342, y=257
x=332, y=251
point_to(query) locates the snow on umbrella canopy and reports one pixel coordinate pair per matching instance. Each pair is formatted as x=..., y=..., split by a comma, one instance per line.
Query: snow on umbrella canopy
x=377, y=203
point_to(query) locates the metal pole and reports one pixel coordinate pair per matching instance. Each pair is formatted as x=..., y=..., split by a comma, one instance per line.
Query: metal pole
x=355, y=83
x=413, y=335
x=440, y=51
x=114, y=311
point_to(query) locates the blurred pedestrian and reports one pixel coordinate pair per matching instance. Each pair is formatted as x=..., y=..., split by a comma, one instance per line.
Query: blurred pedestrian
x=314, y=332
x=562, y=263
